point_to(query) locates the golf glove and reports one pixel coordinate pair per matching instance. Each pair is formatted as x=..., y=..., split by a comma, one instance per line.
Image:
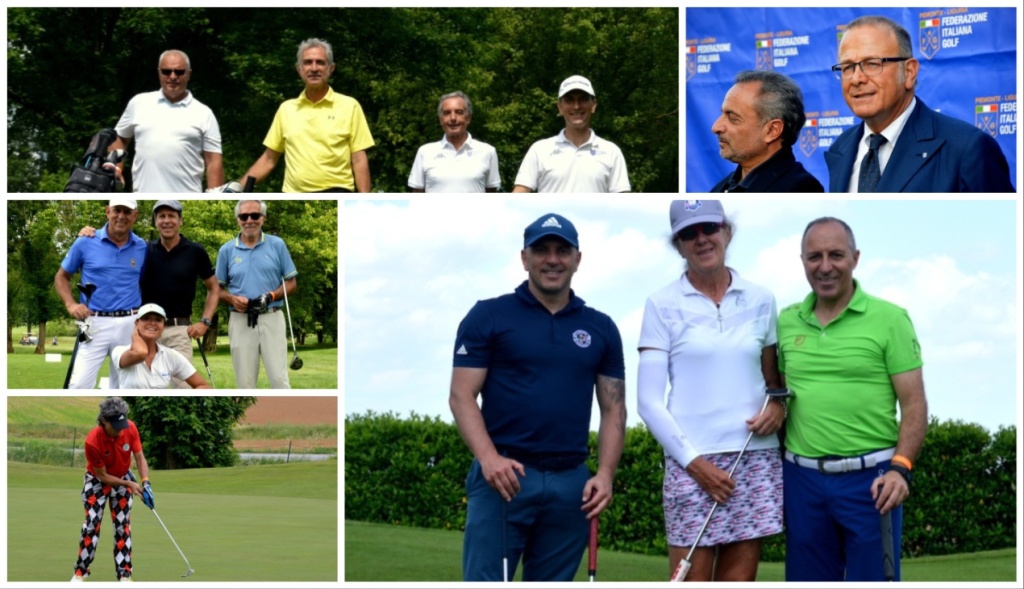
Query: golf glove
x=147, y=495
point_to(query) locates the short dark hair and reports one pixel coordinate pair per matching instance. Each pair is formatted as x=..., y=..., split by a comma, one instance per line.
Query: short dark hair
x=779, y=98
x=822, y=221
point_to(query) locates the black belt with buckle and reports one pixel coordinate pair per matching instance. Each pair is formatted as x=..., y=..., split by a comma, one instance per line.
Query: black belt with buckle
x=545, y=461
x=121, y=313
x=270, y=310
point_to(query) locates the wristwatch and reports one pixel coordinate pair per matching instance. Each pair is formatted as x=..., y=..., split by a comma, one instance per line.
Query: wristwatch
x=206, y=322
x=907, y=474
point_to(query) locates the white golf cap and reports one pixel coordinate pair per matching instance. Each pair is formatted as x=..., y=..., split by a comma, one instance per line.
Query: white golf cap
x=576, y=83
x=152, y=308
x=124, y=202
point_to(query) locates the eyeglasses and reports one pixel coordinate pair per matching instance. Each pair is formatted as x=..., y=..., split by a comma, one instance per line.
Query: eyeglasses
x=870, y=67
x=690, y=233
x=167, y=72
x=246, y=216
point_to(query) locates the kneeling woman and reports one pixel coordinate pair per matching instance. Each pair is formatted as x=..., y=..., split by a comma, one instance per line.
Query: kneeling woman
x=147, y=364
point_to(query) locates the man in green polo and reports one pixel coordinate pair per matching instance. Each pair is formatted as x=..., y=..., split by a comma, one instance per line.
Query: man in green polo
x=849, y=359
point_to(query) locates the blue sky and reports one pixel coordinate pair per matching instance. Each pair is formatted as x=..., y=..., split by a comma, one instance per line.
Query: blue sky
x=414, y=268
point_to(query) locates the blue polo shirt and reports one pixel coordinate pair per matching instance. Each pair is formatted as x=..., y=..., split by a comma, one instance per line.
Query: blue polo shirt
x=541, y=368
x=251, y=271
x=114, y=270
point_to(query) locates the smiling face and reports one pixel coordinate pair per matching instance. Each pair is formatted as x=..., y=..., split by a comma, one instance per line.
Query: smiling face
x=150, y=326
x=577, y=107
x=877, y=99
x=174, y=86
x=251, y=228
x=706, y=253
x=168, y=222
x=829, y=262
x=455, y=119
x=120, y=221
x=314, y=69
x=550, y=263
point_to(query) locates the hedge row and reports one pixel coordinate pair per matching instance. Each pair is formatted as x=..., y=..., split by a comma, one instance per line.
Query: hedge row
x=412, y=472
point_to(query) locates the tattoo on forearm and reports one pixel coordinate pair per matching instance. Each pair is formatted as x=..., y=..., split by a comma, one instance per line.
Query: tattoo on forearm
x=612, y=396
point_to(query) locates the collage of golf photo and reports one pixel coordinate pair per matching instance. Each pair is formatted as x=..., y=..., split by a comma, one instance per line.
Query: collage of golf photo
x=574, y=361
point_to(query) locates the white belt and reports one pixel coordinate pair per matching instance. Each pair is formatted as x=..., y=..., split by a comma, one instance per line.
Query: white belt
x=841, y=465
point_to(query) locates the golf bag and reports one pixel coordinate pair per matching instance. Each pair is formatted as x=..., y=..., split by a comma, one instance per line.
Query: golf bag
x=96, y=173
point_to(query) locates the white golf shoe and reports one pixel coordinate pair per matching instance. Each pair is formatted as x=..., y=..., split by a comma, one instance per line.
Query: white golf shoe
x=76, y=578
x=126, y=580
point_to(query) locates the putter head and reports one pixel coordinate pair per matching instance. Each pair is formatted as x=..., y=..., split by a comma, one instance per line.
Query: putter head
x=190, y=572
x=296, y=363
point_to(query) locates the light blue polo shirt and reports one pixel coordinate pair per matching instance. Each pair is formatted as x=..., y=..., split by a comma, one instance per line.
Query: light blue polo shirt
x=114, y=270
x=251, y=271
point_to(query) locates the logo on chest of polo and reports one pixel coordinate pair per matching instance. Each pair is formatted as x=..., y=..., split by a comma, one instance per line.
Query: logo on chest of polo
x=581, y=338
x=125, y=447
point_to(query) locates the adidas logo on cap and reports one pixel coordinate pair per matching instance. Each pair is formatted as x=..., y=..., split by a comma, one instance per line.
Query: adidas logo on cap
x=551, y=222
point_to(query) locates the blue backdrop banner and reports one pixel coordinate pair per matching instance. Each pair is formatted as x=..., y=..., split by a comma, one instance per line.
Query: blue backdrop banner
x=968, y=71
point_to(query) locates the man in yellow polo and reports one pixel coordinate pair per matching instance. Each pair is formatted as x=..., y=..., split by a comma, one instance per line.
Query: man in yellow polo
x=323, y=134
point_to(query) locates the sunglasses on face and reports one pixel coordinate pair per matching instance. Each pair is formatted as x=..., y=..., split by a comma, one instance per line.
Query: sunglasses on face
x=167, y=72
x=246, y=216
x=690, y=233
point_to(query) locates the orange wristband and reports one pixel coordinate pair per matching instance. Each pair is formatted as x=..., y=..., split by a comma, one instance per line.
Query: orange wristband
x=904, y=461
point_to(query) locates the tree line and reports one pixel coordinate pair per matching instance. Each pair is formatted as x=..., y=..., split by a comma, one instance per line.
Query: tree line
x=72, y=71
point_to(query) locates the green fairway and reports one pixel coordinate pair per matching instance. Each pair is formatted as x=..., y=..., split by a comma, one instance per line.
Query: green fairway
x=26, y=370
x=249, y=524
x=436, y=555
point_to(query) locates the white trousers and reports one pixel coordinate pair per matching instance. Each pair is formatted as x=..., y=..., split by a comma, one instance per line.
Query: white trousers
x=107, y=334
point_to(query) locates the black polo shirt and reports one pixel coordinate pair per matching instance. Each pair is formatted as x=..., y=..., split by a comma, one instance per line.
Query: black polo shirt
x=169, y=277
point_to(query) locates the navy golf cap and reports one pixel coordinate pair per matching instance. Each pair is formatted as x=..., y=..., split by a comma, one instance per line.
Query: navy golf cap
x=551, y=224
x=119, y=422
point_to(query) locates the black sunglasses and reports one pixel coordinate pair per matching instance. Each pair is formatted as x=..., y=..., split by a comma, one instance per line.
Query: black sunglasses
x=246, y=216
x=690, y=233
x=167, y=72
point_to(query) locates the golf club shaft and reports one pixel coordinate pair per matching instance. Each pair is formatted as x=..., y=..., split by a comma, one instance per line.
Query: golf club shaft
x=205, y=363
x=504, y=540
x=172, y=539
x=681, y=570
x=284, y=289
x=592, y=567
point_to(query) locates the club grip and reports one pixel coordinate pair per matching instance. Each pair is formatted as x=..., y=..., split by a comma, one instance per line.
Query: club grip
x=592, y=566
x=250, y=184
x=888, y=556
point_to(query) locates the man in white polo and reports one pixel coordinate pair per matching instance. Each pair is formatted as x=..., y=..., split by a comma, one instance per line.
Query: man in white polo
x=148, y=364
x=575, y=160
x=177, y=137
x=456, y=163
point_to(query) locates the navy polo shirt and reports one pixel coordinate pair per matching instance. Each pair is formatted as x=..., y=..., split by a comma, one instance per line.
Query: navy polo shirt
x=170, y=276
x=541, y=368
x=115, y=270
x=251, y=271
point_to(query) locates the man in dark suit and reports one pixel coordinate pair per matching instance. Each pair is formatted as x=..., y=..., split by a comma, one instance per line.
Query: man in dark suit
x=902, y=145
x=762, y=115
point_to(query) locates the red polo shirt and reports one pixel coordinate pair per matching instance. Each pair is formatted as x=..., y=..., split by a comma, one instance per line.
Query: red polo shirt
x=113, y=454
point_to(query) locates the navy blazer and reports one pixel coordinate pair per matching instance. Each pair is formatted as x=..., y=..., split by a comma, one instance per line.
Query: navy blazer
x=934, y=153
x=779, y=173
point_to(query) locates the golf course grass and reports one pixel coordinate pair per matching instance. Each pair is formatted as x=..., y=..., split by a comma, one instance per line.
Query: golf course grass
x=272, y=523
x=436, y=555
x=27, y=370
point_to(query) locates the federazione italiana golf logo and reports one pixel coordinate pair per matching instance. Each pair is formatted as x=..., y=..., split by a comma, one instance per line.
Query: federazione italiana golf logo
x=943, y=29
x=996, y=115
x=703, y=54
x=821, y=129
x=773, y=50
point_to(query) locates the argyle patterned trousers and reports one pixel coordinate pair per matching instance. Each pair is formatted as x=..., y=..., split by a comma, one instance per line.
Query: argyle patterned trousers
x=95, y=496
